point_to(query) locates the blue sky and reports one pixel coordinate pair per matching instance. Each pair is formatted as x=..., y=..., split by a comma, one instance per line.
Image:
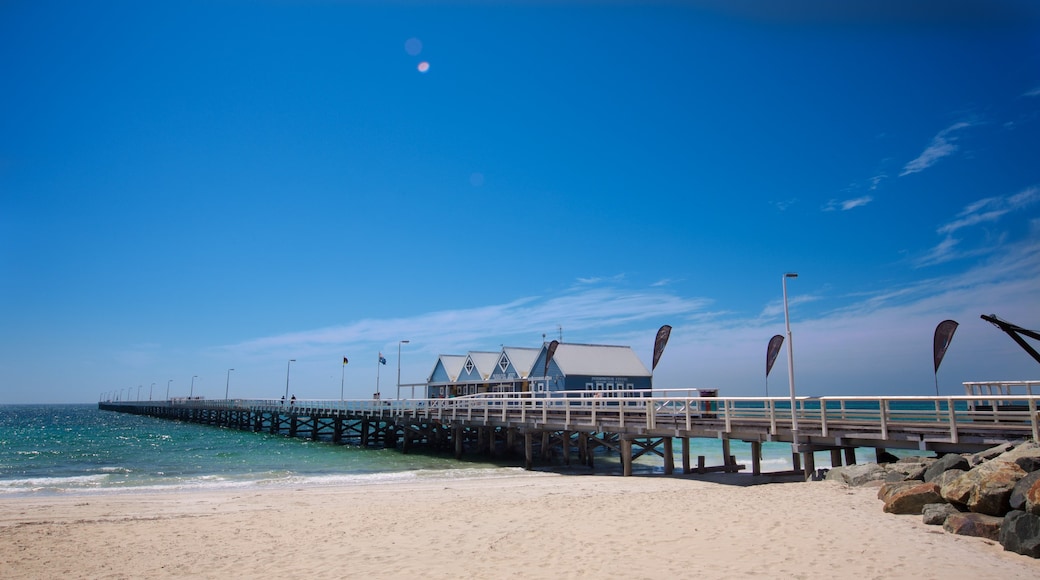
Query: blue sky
x=196, y=186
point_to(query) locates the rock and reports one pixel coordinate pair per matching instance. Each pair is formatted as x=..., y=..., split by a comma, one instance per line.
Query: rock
x=992, y=494
x=983, y=456
x=891, y=487
x=934, y=514
x=946, y=463
x=1017, y=501
x=955, y=487
x=911, y=500
x=859, y=474
x=906, y=470
x=1020, y=533
x=972, y=524
x=886, y=457
x=1033, y=499
x=1026, y=456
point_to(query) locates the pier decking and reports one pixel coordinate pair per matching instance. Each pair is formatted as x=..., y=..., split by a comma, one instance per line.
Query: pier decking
x=567, y=423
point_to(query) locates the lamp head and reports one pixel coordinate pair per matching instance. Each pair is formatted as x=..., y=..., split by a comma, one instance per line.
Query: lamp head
x=791, y=275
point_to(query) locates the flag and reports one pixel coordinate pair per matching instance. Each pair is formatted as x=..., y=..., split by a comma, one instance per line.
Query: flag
x=344, y=360
x=382, y=359
x=662, y=339
x=941, y=341
x=772, y=350
x=549, y=352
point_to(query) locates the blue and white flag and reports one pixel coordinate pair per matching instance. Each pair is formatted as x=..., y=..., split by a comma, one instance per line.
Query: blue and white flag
x=382, y=359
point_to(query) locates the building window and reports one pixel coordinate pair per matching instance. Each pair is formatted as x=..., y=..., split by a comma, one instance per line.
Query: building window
x=469, y=365
x=503, y=363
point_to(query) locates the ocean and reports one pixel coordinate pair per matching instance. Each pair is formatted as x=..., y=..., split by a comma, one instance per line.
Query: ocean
x=79, y=449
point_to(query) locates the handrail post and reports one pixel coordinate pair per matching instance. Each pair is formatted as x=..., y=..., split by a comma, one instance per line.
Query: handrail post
x=954, y=436
x=884, y=417
x=1034, y=418
x=772, y=417
x=651, y=420
x=823, y=417
x=727, y=418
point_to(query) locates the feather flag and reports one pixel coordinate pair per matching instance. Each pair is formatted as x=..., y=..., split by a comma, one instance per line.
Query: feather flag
x=659, y=343
x=772, y=350
x=941, y=341
x=344, y=360
x=549, y=352
x=382, y=359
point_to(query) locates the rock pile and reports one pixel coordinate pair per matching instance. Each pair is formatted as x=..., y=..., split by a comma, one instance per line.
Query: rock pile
x=994, y=494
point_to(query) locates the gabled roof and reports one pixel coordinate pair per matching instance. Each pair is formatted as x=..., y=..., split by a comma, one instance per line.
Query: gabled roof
x=522, y=359
x=594, y=359
x=484, y=362
x=452, y=364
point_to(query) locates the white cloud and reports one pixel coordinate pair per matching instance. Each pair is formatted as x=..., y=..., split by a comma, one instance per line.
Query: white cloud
x=846, y=205
x=983, y=211
x=1033, y=93
x=942, y=145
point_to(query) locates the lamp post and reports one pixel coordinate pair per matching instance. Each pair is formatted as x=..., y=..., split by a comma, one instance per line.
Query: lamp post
x=191, y=392
x=168, y=389
x=150, y=389
x=399, y=343
x=790, y=366
x=227, y=383
x=139, y=392
x=291, y=361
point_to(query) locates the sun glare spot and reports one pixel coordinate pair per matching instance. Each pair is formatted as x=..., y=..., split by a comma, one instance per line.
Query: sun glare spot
x=423, y=66
x=413, y=46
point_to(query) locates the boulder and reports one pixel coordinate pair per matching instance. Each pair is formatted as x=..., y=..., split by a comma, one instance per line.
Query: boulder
x=906, y=470
x=972, y=524
x=992, y=493
x=886, y=457
x=1020, y=533
x=1033, y=499
x=934, y=514
x=983, y=456
x=859, y=474
x=944, y=464
x=1026, y=456
x=1017, y=501
x=955, y=486
x=889, y=488
x=911, y=500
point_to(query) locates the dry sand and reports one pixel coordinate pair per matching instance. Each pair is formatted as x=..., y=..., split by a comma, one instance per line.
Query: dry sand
x=532, y=525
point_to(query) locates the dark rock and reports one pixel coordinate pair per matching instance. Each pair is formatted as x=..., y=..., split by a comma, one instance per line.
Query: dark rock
x=955, y=486
x=906, y=470
x=971, y=524
x=934, y=514
x=946, y=463
x=1017, y=501
x=886, y=457
x=916, y=459
x=1026, y=456
x=913, y=499
x=992, y=493
x=1020, y=533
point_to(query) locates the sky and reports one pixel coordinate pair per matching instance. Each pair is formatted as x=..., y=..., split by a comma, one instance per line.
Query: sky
x=190, y=187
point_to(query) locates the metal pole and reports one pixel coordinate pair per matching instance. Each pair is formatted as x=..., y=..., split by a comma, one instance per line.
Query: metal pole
x=790, y=366
x=150, y=391
x=139, y=392
x=168, y=389
x=342, y=375
x=291, y=361
x=191, y=392
x=227, y=383
x=399, y=343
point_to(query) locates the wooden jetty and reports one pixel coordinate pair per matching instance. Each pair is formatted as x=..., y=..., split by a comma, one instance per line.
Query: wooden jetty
x=571, y=426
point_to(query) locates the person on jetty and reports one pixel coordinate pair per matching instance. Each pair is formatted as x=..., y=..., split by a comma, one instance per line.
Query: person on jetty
x=292, y=401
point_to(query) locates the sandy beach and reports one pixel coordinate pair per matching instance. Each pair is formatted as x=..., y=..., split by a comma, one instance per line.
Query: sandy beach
x=532, y=525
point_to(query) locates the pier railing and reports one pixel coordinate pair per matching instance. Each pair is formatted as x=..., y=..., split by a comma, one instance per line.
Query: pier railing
x=946, y=417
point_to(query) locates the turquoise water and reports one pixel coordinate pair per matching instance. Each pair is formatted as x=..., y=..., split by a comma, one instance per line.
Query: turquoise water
x=80, y=449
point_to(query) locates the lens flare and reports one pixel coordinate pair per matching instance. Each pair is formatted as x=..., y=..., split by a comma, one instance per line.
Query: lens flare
x=423, y=66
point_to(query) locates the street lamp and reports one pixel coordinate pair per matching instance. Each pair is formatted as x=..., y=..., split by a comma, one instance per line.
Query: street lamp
x=139, y=392
x=790, y=365
x=399, y=343
x=291, y=361
x=191, y=392
x=168, y=389
x=227, y=383
x=150, y=389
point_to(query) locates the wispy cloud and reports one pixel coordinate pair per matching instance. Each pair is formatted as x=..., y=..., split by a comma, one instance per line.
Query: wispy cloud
x=1033, y=93
x=942, y=145
x=983, y=211
x=522, y=320
x=782, y=205
x=846, y=205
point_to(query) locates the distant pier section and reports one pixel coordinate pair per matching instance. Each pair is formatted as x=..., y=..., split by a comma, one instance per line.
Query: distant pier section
x=568, y=427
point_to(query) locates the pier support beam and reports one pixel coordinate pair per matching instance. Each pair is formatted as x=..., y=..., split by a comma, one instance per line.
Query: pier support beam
x=686, y=455
x=626, y=455
x=756, y=457
x=669, y=456
x=528, y=451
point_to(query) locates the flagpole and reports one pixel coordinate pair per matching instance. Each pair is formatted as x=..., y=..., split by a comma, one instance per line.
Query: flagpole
x=378, y=362
x=342, y=374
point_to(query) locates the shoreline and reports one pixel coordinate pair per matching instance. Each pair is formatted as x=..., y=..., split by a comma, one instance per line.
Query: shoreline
x=536, y=524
